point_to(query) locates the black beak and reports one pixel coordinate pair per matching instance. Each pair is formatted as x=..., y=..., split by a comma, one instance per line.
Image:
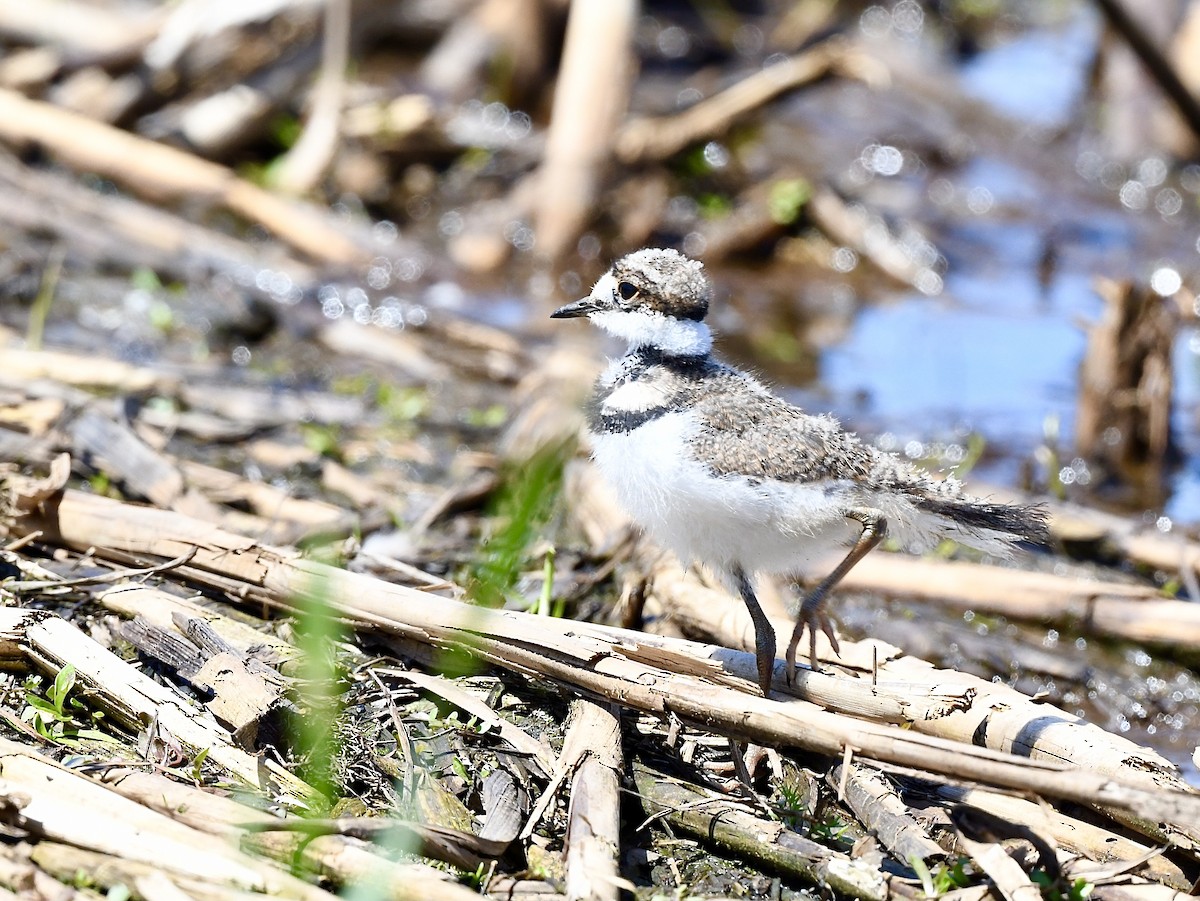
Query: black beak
x=576, y=309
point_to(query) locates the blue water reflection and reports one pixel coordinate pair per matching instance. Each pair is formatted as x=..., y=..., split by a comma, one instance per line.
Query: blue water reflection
x=1039, y=77
x=931, y=366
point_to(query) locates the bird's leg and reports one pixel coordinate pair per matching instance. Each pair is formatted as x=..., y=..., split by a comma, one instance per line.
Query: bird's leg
x=812, y=610
x=764, y=635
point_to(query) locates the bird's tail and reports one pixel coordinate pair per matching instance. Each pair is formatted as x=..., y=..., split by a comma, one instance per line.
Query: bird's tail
x=990, y=527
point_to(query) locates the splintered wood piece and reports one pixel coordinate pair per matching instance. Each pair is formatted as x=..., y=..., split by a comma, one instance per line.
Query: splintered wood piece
x=135, y=599
x=1071, y=833
x=244, y=690
x=163, y=645
x=76, y=810
x=301, y=167
x=84, y=369
x=161, y=171
x=647, y=139
x=240, y=698
x=268, y=501
x=114, y=449
x=1126, y=385
x=503, y=799
x=39, y=491
x=343, y=861
x=1006, y=874
x=133, y=699
x=878, y=806
x=590, y=98
x=713, y=818
x=593, y=840
x=1136, y=613
x=33, y=416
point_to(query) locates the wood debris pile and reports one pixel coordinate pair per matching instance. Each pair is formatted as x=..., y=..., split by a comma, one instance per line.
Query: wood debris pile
x=177, y=704
x=240, y=657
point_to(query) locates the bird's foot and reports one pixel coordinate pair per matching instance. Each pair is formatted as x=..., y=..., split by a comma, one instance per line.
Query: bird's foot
x=812, y=617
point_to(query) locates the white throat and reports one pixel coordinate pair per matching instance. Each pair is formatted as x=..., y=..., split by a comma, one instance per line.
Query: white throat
x=643, y=328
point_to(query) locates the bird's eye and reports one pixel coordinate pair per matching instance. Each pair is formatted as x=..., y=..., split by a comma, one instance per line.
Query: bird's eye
x=627, y=290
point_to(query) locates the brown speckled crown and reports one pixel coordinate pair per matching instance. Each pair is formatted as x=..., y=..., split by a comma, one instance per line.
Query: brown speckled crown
x=667, y=282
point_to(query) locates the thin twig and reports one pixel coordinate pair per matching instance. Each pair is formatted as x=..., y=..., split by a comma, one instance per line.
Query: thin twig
x=38, y=585
x=1154, y=60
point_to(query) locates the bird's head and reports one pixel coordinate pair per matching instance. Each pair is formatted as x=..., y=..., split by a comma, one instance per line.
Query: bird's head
x=656, y=298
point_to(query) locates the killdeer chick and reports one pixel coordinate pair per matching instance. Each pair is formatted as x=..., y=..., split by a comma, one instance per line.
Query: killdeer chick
x=721, y=471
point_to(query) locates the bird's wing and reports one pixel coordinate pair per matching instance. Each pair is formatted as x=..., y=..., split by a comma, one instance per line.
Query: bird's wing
x=745, y=430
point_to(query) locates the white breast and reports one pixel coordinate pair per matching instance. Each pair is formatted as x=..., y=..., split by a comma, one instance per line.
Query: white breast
x=648, y=468
x=722, y=521
x=634, y=396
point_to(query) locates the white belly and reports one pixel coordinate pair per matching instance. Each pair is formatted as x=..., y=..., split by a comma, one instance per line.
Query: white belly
x=723, y=521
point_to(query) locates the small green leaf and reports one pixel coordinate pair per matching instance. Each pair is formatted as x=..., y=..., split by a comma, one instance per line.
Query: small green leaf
x=787, y=199
x=93, y=734
x=63, y=683
x=198, y=763
x=922, y=870
x=43, y=708
x=144, y=278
